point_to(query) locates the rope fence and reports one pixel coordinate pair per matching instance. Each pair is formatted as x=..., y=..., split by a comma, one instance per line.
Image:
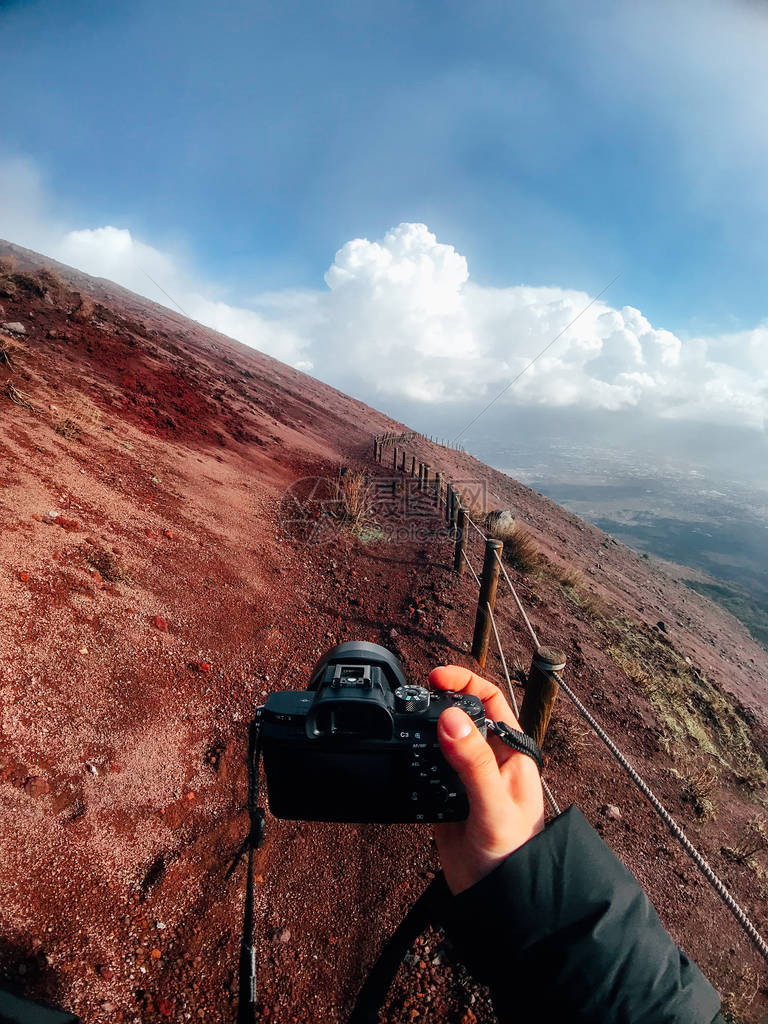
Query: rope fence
x=544, y=679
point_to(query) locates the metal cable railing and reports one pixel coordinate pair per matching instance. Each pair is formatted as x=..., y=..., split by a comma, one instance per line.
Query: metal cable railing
x=474, y=526
x=471, y=568
x=513, y=700
x=701, y=863
x=671, y=824
x=518, y=602
x=547, y=791
x=511, y=692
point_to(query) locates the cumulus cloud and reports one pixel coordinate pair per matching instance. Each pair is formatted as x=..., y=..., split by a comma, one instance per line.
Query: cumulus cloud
x=403, y=319
x=400, y=321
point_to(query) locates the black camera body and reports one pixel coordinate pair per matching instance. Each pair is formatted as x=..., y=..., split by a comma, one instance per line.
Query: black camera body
x=360, y=744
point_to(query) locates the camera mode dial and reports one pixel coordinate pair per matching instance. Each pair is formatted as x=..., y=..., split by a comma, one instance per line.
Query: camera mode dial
x=411, y=698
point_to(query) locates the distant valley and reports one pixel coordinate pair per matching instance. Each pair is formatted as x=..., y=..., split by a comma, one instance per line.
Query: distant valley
x=717, y=532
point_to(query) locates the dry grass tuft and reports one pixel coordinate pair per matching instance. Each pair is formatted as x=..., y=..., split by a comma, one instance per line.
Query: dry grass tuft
x=6, y=358
x=522, y=550
x=565, y=738
x=570, y=579
x=30, y=283
x=106, y=563
x=356, y=500
x=689, y=708
x=593, y=605
x=7, y=284
x=51, y=280
x=574, y=586
x=474, y=510
x=67, y=428
x=737, y=1006
x=753, y=840
x=520, y=547
x=81, y=415
x=700, y=783
x=86, y=412
x=20, y=398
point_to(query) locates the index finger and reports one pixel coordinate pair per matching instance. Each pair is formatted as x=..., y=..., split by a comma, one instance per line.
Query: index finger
x=453, y=677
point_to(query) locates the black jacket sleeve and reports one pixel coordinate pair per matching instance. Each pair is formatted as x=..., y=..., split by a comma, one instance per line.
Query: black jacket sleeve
x=561, y=930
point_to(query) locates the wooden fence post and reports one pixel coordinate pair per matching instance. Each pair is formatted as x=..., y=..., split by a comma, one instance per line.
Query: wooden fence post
x=394, y=456
x=455, y=505
x=375, y=449
x=488, y=583
x=448, y=500
x=402, y=463
x=421, y=474
x=461, y=541
x=425, y=477
x=438, y=488
x=413, y=465
x=379, y=451
x=540, y=692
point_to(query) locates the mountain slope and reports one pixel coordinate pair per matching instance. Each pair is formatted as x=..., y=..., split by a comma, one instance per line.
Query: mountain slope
x=153, y=596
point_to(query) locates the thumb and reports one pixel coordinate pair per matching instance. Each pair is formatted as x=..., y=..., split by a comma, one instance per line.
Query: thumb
x=467, y=752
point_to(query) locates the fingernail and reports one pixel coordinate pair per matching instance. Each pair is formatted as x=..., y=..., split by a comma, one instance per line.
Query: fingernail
x=455, y=724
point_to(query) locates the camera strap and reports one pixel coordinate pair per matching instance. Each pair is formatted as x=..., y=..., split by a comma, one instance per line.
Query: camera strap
x=517, y=740
x=424, y=912
x=246, y=1009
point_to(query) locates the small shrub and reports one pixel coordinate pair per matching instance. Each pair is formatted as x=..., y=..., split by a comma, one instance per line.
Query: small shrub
x=7, y=284
x=84, y=307
x=29, y=283
x=51, y=281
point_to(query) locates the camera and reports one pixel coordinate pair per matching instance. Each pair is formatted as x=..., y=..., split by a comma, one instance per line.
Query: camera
x=360, y=744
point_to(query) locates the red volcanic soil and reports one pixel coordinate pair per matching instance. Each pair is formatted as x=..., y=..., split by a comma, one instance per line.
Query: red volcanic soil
x=155, y=589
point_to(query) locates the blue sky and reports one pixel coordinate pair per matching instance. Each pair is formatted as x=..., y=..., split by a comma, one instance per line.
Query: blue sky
x=360, y=187
x=550, y=143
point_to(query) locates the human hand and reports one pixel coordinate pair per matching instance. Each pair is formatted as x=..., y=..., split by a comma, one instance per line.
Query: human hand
x=506, y=803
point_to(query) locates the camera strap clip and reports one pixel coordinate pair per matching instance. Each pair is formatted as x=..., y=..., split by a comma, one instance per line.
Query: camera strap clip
x=517, y=740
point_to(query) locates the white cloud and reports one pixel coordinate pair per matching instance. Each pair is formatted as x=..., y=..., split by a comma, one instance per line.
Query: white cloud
x=400, y=320
x=403, y=319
